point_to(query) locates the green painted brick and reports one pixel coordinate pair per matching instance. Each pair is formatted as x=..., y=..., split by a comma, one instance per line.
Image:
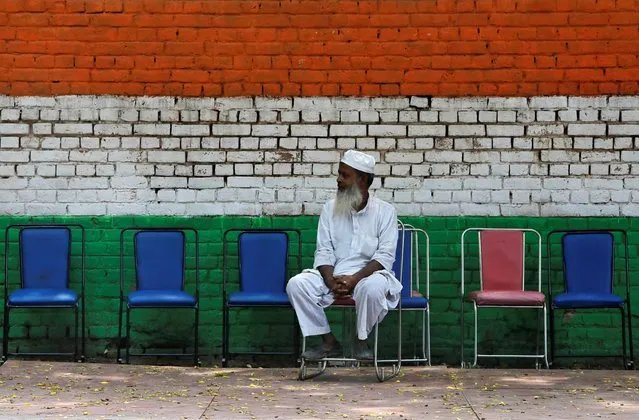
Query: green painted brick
x=103, y=276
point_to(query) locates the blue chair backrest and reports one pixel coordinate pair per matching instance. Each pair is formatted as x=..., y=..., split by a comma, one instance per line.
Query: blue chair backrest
x=588, y=262
x=159, y=260
x=263, y=261
x=404, y=274
x=44, y=257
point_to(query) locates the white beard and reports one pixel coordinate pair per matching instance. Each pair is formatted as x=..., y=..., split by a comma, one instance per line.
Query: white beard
x=347, y=200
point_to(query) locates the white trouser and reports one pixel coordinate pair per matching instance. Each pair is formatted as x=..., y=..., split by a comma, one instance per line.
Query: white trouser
x=309, y=296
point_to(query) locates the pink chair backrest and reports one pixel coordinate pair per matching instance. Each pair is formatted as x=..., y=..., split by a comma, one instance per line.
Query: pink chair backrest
x=502, y=259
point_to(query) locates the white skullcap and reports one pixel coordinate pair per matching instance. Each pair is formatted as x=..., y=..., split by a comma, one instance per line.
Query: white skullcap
x=360, y=161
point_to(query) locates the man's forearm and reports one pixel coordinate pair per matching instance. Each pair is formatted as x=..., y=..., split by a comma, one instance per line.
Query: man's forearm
x=327, y=274
x=368, y=269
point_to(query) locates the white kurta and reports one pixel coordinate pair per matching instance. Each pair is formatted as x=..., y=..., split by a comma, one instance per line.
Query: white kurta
x=349, y=243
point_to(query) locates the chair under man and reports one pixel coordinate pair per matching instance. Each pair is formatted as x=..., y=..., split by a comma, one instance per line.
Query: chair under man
x=256, y=268
x=386, y=368
x=589, y=270
x=160, y=269
x=47, y=256
x=502, y=273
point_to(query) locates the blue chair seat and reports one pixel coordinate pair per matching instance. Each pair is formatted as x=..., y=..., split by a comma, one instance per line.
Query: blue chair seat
x=161, y=298
x=414, y=302
x=587, y=300
x=258, y=299
x=43, y=297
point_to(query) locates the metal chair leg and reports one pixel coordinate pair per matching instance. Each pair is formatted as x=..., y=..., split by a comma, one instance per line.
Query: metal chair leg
x=5, y=334
x=225, y=335
x=128, y=334
x=119, y=358
x=196, y=344
x=623, y=337
x=76, y=336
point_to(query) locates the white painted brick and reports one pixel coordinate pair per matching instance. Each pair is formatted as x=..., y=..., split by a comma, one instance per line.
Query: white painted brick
x=390, y=103
x=444, y=156
x=467, y=116
x=487, y=116
x=506, y=116
x=548, y=102
x=467, y=130
x=618, y=143
x=69, y=142
x=518, y=156
x=531, y=210
x=384, y=130
x=408, y=116
x=243, y=169
x=312, y=103
x=579, y=169
x=424, y=143
x=85, y=170
x=587, y=129
x=507, y=103
x=430, y=116
x=406, y=144
x=129, y=182
x=269, y=130
x=389, y=116
x=609, y=115
x=49, y=156
x=459, y=103
x=165, y=156
x=448, y=116
x=230, y=129
x=152, y=129
x=442, y=196
x=7, y=142
x=479, y=169
x=504, y=130
x=587, y=102
x=623, y=129
x=567, y=115
x=50, y=209
x=440, y=209
x=320, y=156
x=349, y=116
x=369, y=116
x=11, y=128
x=245, y=156
x=10, y=114
x=520, y=197
x=546, y=116
x=559, y=170
x=190, y=129
x=560, y=196
x=167, y=182
x=589, y=115
x=559, y=156
x=427, y=130
x=599, y=156
x=206, y=182
x=29, y=114
x=583, y=143
x=330, y=115
x=562, y=183
x=310, y=116
x=600, y=197
x=485, y=183
x=209, y=156
x=481, y=157
x=63, y=128
x=525, y=116
x=347, y=130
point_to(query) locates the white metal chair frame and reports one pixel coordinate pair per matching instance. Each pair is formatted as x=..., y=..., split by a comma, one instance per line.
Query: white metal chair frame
x=415, y=271
x=542, y=308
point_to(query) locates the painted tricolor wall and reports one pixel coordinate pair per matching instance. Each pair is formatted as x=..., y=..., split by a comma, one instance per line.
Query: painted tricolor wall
x=200, y=113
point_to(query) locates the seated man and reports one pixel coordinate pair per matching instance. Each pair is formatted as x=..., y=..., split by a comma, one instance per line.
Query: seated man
x=356, y=242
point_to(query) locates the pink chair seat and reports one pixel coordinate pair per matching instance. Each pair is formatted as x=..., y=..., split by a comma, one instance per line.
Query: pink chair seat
x=344, y=301
x=507, y=298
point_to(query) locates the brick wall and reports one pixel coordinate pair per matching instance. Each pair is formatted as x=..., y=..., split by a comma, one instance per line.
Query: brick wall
x=539, y=156
x=312, y=48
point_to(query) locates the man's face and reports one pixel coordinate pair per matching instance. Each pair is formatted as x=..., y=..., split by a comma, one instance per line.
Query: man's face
x=346, y=177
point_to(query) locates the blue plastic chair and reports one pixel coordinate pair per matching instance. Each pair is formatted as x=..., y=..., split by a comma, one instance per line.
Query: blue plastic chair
x=589, y=271
x=160, y=269
x=262, y=274
x=45, y=266
x=413, y=245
